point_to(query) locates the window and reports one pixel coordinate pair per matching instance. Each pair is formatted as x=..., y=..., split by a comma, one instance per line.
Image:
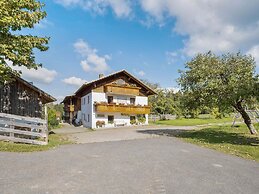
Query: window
x=132, y=118
x=110, y=99
x=88, y=118
x=100, y=116
x=88, y=100
x=84, y=101
x=132, y=100
x=110, y=119
x=84, y=117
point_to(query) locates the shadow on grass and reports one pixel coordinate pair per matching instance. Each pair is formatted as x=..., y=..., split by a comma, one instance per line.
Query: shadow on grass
x=208, y=135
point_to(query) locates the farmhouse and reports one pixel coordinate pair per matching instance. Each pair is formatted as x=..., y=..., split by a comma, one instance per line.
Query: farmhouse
x=20, y=97
x=118, y=99
x=72, y=104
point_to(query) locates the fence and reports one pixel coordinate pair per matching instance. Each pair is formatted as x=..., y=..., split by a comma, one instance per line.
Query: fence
x=161, y=117
x=23, y=129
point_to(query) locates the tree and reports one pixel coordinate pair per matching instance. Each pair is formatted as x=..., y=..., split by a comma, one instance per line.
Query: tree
x=14, y=16
x=221, y=81
x=52, y=118
x=165, y=102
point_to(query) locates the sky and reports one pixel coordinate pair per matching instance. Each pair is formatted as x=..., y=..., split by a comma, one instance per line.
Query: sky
x=152, y=39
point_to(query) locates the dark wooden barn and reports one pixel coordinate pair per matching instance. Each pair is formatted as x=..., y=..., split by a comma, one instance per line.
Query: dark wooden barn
x=72, y=104
x=20, y=97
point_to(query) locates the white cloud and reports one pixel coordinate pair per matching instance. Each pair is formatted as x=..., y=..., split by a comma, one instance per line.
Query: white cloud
x=44, y=24
x=220, y=26
x=91, y=60
x=74, y=81
x=175, y=56
x=41, y=75
x=141, y=73
x=254, y=51
x=173, y=89
x=59, y=99
x=121, y=8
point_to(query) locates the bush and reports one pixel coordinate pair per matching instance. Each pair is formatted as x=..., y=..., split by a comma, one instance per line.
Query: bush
x=141, y=118
x=52, y=119
x=133, y=122
x=216, y=114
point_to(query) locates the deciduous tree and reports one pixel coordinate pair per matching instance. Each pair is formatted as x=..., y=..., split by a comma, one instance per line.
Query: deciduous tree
x=16, y=15
x=221, y=81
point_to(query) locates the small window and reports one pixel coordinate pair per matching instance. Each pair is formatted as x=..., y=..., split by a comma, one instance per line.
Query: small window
x=132, y=118
x=84, y=117
x=132, y=100
x=110, y=99
x=110, y=119
x=100, y=116
x=84, y=100
x=88, y=118
x=88, y=100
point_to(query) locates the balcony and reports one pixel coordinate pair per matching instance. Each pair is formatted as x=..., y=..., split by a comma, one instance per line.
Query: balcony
x=121, y=108
x=121, y=89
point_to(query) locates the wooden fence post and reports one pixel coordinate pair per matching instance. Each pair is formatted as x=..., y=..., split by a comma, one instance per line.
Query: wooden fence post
x=46, y=125
x=11, y=134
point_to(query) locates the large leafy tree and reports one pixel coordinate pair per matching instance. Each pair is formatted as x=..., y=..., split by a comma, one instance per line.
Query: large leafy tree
x=221, y=81
x=18, y=48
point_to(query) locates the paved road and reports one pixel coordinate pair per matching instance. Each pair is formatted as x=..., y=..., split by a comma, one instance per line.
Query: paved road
x=83, y=135
x=155, y=165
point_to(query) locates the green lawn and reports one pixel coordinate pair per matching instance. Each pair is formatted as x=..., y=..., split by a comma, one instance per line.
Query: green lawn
x=232, y=140
x=54, y=141
x=192, y=122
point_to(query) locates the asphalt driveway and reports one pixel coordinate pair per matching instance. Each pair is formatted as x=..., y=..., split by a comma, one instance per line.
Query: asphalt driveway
x=152, y=165
x=83, y=135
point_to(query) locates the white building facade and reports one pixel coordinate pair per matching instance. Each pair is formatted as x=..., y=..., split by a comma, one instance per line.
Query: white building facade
x=115, y=100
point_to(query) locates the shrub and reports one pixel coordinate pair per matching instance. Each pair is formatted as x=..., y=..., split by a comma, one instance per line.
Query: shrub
x=52, y=119
x=141, y=118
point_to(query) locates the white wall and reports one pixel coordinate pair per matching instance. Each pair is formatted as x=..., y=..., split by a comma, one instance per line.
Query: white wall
x=88, y=108
x=142, y=100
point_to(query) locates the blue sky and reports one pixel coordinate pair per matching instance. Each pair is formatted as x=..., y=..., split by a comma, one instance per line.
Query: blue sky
x=149, y=38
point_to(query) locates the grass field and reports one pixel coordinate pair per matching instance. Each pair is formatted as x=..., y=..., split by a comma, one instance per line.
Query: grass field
x=192, y=122
x=54, y=141
x=232, y=140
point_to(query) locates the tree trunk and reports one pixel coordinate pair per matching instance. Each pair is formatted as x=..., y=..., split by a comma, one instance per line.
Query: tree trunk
x=238, y=106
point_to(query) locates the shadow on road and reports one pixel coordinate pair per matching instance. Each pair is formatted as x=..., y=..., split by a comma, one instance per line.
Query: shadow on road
x=163, y=132
x=208, y=135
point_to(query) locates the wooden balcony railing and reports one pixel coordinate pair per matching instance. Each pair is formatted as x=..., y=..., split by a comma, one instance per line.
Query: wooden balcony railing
x=120, y=108
x=123, y=90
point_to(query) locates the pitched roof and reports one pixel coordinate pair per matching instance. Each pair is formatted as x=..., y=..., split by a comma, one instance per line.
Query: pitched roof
x=100, y=80
x=47, y=98
x=67, y=98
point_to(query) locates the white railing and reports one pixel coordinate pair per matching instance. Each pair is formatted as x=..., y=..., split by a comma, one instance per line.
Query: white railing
x=23, y=129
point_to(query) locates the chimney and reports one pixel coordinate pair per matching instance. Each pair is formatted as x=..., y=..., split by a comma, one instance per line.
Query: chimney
x=101, y=76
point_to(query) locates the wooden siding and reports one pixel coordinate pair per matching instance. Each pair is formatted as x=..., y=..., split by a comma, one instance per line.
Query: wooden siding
x=16, y=98
x=72, y=105
x=99, y=89
x=122, y=89
x=125, y=109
